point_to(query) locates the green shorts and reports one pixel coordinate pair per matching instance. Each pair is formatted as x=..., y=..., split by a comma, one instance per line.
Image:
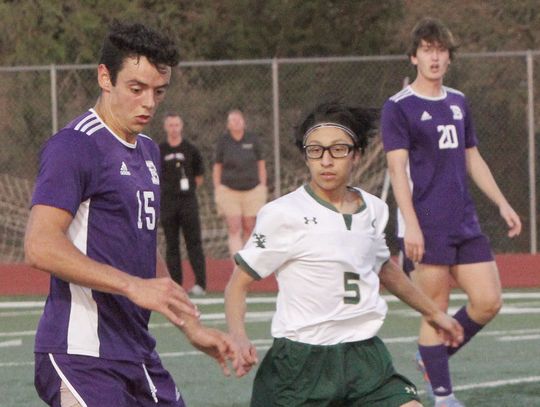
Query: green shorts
x=347, y=374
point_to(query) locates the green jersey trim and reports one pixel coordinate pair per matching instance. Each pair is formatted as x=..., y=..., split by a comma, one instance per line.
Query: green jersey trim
x=347, y=217
x=245, y=267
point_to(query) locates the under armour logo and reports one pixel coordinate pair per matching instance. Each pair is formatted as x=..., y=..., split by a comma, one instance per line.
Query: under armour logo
x=260, y=240
x=307, y=220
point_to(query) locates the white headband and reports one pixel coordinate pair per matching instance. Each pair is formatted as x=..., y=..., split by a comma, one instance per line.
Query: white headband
x=330, y=124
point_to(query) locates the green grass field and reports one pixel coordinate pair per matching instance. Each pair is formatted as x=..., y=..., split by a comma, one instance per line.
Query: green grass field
x=501, y=367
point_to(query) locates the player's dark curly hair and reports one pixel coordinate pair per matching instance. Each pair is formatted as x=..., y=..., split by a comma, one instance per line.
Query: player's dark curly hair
x=432, y=30
x=362, y=121
x=136, y=40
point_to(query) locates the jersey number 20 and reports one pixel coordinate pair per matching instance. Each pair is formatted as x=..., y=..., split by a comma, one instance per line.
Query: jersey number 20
x=448, y=138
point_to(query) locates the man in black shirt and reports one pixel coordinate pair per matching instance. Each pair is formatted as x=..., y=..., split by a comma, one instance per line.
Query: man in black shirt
x=181, y=173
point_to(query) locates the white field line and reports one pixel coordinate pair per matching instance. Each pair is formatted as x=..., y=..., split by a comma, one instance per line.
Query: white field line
x=271, y=300
x=498, y=383
x=266, y=315
x=20, y=313
x=10, y=344
x=519, y=338
x=505, y=310
x=19, y=333
x=21, y=304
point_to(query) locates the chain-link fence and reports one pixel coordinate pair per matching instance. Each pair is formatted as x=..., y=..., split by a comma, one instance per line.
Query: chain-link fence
x=36, y=101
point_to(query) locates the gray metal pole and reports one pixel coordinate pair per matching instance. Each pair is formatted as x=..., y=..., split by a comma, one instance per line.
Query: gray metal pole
x=54, y=100
x=275, y=97
x=532, y=152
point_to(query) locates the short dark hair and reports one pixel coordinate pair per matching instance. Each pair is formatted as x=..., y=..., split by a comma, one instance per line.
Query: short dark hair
x=136, y=40
x=431, y=30
x=361, y=121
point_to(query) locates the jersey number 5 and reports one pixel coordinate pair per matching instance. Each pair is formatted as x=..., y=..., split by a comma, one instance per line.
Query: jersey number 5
x=352, y=288
x=146, y=207
x=448, y=138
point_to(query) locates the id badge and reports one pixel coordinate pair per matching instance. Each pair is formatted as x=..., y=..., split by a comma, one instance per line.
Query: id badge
x=184, y=184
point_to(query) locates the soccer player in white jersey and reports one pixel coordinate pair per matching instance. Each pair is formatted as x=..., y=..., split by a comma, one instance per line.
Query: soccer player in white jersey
x=325, y=242
x=92, y=226
x=431, y=147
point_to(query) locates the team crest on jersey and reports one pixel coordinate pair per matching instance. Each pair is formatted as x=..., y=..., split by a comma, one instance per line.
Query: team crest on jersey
x=410, y=390
x=153, y=171
x=260, y=240
x=458, y=114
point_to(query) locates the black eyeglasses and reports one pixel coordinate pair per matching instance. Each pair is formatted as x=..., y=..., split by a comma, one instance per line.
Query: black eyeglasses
x=315, y=151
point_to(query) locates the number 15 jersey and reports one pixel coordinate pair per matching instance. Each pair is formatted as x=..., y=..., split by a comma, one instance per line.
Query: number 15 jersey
x=111, y=188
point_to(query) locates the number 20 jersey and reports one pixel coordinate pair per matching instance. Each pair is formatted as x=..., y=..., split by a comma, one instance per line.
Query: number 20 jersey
x=436, y=132
x=111, y=188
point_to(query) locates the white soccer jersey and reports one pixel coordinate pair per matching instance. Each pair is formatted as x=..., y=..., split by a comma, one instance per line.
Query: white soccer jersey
x=326, y=265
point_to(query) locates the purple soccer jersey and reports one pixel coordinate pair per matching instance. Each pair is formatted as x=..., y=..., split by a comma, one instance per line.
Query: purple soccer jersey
x=436, y=132
x=111, y=188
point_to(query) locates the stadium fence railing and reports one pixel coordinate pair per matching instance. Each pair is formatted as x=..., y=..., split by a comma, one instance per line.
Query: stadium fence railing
x=274, y=93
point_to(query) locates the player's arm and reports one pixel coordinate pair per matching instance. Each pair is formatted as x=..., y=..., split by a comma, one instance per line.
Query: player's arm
x=397, y=167
x=48, y=248
x=483, y=178
x=198, y=167
x=235, y=311
x=214, y=343
x=396, y=281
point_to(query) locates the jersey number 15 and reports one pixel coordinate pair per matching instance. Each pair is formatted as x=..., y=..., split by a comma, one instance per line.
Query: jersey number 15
x=146, y=209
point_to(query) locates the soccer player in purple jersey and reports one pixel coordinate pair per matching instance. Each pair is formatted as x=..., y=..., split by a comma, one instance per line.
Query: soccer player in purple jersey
x=431, y=148
x=93, y=225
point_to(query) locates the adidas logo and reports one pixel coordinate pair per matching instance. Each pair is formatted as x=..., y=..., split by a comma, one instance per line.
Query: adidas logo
x=440, y=389
x=425, y=116
x=124, y=169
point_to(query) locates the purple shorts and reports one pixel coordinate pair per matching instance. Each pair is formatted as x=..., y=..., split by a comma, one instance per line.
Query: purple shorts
x=446, y=250
x=97, y=382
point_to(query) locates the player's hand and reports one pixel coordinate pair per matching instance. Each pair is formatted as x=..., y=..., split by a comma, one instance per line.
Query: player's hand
x=414, y=243
x=247, y=353
x=218, y=345
x=449, y=330
x=162, y=295
x=512, y=220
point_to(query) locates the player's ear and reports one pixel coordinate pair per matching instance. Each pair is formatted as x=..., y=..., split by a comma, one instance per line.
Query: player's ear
x=104, y=78
x=357, y=156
